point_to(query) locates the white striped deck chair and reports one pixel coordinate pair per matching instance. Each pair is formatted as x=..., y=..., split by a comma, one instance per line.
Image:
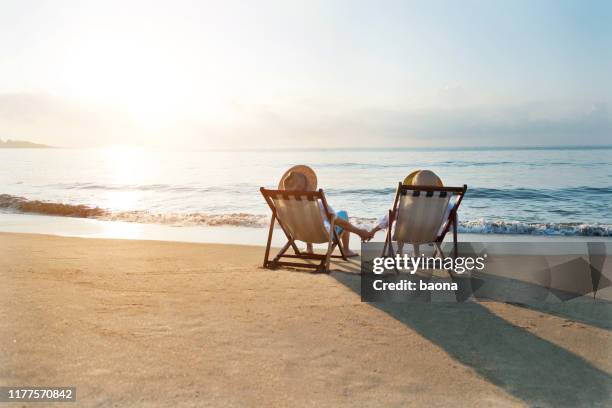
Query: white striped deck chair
x=300, y=218
x=422, y=215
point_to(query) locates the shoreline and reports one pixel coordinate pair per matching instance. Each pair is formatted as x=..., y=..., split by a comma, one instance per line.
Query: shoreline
x=235, y=235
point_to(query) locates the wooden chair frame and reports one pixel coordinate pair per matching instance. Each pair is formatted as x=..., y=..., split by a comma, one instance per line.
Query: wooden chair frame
x=334, y=238
x=452, y=217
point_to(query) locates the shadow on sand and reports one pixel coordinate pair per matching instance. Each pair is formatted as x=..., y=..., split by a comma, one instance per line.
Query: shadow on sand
x=597, y=313
x=532, y=369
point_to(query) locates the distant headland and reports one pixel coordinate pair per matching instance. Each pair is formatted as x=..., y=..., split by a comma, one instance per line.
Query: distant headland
x=22, y=144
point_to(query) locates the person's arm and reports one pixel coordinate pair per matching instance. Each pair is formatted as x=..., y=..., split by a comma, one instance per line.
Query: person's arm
x=363, y=233
x=383, y=223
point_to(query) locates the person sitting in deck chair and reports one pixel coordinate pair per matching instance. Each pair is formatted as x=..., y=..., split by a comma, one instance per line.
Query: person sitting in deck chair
x=416, y=178
x=303, y=178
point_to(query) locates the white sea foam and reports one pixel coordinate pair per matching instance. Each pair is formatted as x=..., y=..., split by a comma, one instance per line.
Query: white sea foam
x=21, y=205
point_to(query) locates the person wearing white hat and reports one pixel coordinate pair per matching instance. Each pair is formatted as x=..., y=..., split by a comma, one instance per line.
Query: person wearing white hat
x=303, y=178
x=416, y=178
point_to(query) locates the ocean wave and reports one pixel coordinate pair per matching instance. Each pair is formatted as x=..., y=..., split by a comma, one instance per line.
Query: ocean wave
x=22, y=205
x=526, y=228
x=190, y=219
x=482, y=226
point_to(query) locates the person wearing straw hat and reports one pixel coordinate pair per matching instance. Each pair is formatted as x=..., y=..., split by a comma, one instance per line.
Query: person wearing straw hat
x=416, y=178
x=303, y=178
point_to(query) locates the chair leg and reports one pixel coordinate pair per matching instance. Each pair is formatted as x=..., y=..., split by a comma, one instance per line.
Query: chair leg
x=388, y=234
x=292, y=245
x=392, y=255
x=330, y=244
x=324, y=267
x=438, y=250
x=291, y=240
x=384, y=251
x=283, y=250
x=338, y=241
x=388, y=243
x=455, y=246
x=341, y=249
x=269, y=243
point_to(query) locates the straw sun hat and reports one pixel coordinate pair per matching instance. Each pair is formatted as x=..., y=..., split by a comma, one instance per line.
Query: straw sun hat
x=309, y=173
x=425, y=177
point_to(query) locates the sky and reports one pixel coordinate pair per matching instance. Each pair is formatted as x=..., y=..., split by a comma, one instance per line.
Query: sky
x=306, y=74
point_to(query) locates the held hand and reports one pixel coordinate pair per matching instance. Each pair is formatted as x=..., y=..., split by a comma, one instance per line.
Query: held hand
x=372, y=233
x=368, y=235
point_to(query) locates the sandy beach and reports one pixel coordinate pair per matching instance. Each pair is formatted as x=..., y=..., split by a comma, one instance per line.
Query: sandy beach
x=150, y=323
x=157, y=156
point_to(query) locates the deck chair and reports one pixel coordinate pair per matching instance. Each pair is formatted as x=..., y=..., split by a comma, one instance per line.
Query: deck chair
x=421, y=215
x=300, y=218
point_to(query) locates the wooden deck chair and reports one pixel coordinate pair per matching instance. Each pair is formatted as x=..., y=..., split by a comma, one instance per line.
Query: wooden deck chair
x=300, y=218
x=421, y=215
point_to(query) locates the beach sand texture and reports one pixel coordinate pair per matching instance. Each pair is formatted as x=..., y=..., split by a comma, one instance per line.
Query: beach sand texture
x=147, y=323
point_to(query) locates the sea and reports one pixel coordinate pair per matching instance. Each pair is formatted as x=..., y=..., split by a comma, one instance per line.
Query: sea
x=543, y=191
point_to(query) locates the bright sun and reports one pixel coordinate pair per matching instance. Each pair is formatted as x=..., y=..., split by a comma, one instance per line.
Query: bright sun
x=155, y=87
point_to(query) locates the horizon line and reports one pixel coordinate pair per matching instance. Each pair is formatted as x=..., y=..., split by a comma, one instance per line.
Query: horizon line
x=357, y=149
